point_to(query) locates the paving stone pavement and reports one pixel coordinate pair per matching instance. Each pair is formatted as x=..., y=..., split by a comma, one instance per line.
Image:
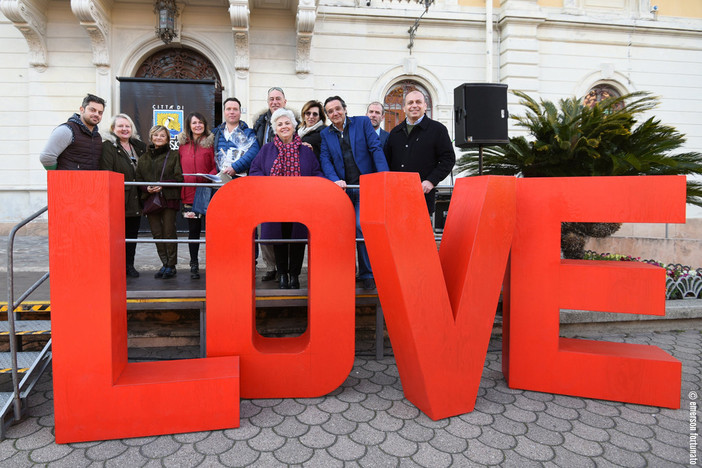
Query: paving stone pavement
x=367, y=422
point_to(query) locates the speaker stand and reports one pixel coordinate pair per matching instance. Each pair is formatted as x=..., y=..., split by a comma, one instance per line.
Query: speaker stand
x=480, y=159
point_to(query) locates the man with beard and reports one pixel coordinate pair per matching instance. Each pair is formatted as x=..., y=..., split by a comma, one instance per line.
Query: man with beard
x=76, y=144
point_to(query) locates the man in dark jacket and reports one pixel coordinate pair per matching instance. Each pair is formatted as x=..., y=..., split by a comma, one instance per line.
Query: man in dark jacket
x=376, y=113
x=421, y=145
x=264, y=134
x=76, y=144
x=262, y=127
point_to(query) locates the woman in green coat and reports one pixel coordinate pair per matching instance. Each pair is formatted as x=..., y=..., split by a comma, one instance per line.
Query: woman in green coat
x=160, y=163
x=121, y=150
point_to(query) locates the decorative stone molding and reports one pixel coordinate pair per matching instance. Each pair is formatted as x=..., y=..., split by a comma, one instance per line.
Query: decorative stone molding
x=28, y=17
x=239, y=14
x=305, y=18
x=409, y=66
x=573, y=7
x=94, y=16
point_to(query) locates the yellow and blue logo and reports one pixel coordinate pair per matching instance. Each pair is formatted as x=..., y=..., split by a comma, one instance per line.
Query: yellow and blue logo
x=171, y=119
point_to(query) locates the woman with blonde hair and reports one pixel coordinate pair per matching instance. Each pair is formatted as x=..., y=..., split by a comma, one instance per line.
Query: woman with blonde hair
x=121, y=150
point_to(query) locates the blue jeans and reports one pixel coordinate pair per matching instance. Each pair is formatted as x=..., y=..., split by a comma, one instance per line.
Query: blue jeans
x=364, y=266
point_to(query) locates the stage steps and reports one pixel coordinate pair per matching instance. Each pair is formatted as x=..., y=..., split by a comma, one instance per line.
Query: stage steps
x=21, y=369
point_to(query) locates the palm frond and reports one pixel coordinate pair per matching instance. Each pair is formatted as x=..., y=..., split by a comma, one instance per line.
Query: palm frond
x=570, y=139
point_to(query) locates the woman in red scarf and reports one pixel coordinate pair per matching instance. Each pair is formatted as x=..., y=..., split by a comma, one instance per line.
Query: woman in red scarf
x=286, y=156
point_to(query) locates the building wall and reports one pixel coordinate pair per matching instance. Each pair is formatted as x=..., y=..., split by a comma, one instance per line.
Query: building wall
x=548, y=48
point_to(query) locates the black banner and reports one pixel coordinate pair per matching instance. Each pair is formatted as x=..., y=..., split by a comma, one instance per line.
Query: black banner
x=154, y=101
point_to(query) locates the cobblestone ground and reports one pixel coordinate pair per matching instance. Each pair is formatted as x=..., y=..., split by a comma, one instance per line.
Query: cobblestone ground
x=367, y=422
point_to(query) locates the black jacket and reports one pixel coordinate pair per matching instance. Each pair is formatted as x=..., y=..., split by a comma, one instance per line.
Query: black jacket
x=259, y=127
x=427, y=150
x=114, y=158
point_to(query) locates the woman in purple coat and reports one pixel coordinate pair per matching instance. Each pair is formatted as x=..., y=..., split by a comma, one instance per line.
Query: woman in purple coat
x=285, y=156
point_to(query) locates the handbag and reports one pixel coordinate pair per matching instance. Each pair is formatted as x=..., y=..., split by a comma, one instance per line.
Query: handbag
x=203, y=195
x=156, y=202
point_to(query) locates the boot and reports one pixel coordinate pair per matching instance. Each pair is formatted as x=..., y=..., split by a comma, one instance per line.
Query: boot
x=194, y=270
x=294, y=282
x=283, y=284
x=131, y=271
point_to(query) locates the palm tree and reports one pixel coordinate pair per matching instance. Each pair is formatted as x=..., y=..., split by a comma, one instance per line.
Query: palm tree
x=574, y=139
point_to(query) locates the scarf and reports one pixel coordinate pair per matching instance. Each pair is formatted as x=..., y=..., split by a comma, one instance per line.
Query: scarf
x=302, y=131
x=288, y=161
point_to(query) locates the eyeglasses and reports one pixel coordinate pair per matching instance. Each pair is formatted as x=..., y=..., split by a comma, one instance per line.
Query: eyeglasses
x=313, y=114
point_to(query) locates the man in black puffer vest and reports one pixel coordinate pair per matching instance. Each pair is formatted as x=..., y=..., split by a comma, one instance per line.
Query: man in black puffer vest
x=76, y=144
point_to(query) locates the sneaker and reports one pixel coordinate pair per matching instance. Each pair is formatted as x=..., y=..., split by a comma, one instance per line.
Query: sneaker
x=368, y=284
x=131, y=272
x=169, y=273
x=159, y=273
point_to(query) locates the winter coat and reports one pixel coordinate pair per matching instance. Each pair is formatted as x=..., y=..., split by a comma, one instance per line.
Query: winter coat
x=84, y=152
x=427, y=150
x=114, y=158
x=314, y=138
x=259, y=127
x=241, y=166
x=195, y=158
x=149, y=170
x=261, y=166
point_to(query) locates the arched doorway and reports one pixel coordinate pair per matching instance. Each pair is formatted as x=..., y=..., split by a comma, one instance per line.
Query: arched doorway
x=395, y=98
x=181, y=63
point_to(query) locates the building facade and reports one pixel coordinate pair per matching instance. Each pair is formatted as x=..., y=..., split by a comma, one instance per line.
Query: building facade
x=56, y=51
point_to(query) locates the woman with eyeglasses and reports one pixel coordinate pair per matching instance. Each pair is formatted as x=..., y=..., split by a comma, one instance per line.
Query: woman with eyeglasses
x=313, y=121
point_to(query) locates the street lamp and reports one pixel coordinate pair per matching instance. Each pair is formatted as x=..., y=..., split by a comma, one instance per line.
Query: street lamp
x=167, y=13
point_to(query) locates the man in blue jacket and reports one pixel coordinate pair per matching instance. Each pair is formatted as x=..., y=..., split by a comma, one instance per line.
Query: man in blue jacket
x=350, y=148
x=225, y=138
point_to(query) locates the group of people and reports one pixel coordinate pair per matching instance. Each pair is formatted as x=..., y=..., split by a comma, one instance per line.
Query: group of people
x=277, y=146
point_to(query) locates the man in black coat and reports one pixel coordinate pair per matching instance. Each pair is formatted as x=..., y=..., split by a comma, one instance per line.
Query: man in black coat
x=265, y=134
x=421, y=145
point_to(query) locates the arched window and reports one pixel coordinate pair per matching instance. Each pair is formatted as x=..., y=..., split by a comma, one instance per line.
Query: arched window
x=601, y=92
x=394, y=102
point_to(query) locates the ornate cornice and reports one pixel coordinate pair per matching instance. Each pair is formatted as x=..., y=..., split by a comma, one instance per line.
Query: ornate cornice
x=94, y=16
x=305, y=19
x=239, y=14
x=28, y=17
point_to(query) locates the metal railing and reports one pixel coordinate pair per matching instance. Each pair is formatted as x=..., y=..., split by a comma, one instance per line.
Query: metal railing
x=12, y=305
x=439, y=188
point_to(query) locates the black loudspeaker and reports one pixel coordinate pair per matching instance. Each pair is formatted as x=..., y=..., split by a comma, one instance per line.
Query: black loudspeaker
x=480, y=111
